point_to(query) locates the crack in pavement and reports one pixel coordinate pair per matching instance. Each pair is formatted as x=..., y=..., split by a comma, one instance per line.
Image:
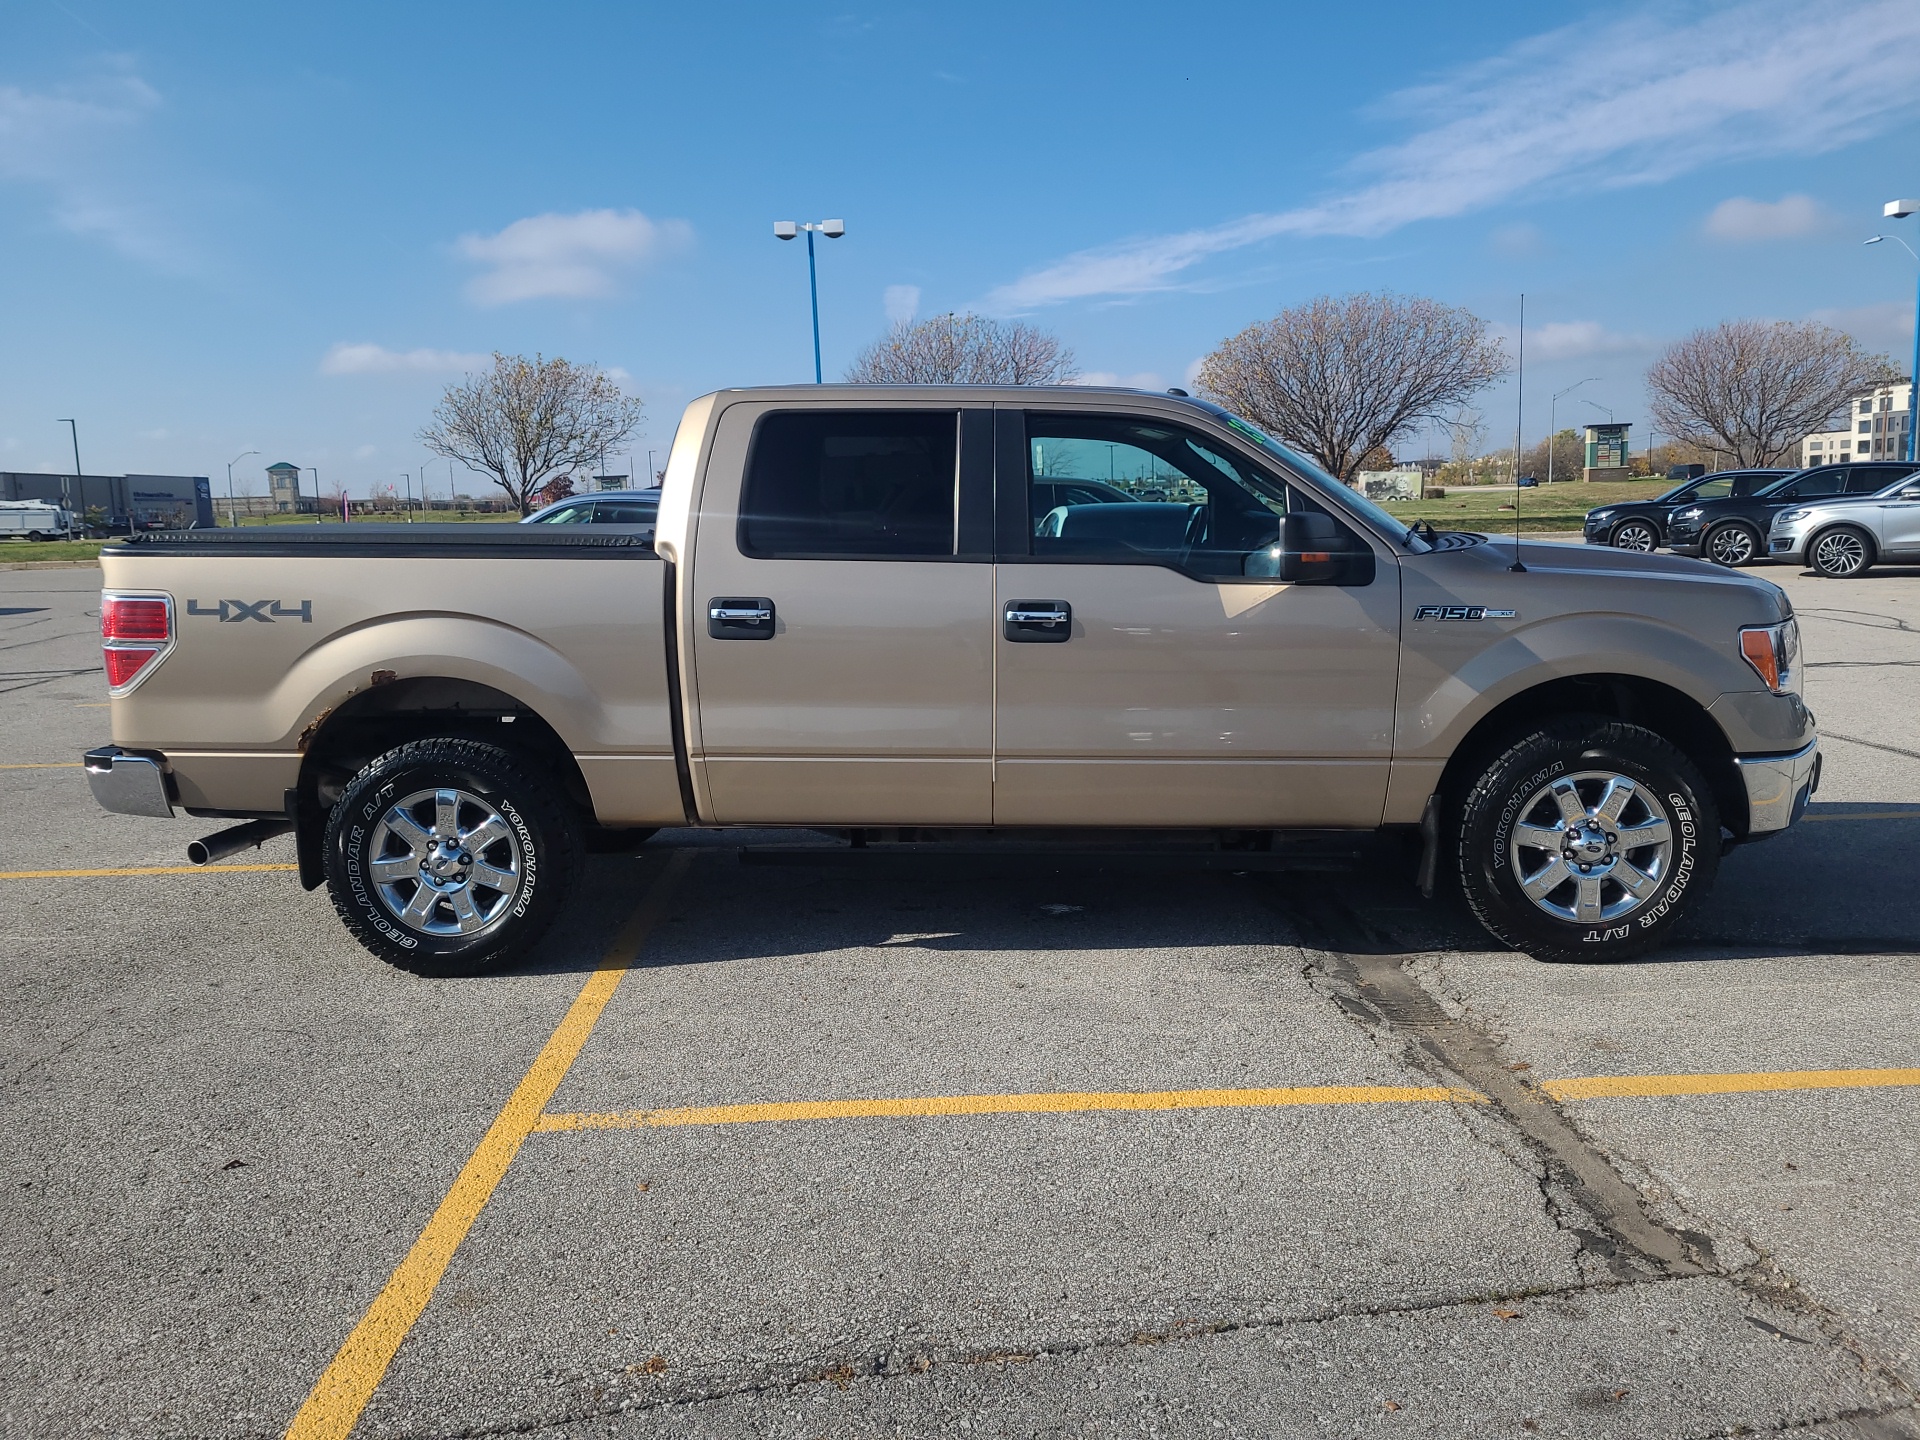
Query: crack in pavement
x=1364, y=973
x=906, y=1362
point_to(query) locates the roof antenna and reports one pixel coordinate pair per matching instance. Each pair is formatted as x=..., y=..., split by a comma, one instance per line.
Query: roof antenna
x=1519, y=406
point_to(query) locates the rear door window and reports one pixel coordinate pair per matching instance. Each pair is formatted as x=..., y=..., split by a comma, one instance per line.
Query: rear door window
x=851, y=485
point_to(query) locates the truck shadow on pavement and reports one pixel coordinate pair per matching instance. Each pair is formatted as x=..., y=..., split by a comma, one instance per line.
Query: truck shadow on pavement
x=1838, y=884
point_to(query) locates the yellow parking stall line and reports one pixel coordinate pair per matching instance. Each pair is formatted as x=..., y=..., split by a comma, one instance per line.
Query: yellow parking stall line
x=1045, y=1103
x=333, y=1406
x=1606, y=1087
x=139, y=870
x=51, y=765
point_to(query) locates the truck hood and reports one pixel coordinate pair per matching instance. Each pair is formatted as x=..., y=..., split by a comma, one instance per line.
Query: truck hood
x=1568, y=578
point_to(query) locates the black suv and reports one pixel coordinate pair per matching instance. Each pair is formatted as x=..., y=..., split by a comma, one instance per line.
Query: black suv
x=1642, y=524
x=1734, y=531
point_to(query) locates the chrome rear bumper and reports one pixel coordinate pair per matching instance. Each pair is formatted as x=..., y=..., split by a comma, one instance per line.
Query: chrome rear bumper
x=128, y=784
x=1778, y=787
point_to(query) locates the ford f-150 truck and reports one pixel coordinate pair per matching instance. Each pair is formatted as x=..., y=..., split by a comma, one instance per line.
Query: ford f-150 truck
x=912, y=614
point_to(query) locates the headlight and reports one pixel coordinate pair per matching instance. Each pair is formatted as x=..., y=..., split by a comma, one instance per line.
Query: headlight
x=1774, y=653
x=1600, y=515
x=1694, y=514
x=1791, y=516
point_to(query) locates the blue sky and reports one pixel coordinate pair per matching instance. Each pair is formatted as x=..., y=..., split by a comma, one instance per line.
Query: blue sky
x=230, y=227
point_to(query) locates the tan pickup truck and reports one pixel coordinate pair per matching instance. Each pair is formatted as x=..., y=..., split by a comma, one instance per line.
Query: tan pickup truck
x=938, y=615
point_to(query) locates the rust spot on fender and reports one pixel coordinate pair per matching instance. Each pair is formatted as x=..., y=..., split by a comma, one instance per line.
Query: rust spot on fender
x=313, y=729
x=384, y=677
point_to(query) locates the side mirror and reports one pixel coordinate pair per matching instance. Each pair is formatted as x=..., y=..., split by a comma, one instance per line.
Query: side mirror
x=1313, y=550
x=1912, y=492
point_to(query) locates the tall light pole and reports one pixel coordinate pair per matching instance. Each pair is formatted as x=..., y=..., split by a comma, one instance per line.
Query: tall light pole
x=407, y=475
x=233, y=517
x=833, y=230
x=1899, y=210
x=316, y=492
x=1552, y=433
x=79, y=481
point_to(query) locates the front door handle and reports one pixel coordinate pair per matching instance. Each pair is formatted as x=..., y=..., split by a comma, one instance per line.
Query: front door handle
x=735, y=617
x=1037, y=622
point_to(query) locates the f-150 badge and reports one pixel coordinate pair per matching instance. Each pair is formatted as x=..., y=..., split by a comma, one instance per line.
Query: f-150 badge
x=233, y=611
x=1462, y=612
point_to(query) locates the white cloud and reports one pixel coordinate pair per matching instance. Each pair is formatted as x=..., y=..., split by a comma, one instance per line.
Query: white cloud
x=1572, y=340
x=1754, y=80
x=366, y=452
x=1886, y=326
x=345, y=359
x=1140, y=380
x=70, y=142
x=1518, y=242
x=903, y=303
x=567, y=257
x=1783, y=219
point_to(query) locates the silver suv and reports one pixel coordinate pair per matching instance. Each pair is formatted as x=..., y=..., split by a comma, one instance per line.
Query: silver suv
x=1845, y=536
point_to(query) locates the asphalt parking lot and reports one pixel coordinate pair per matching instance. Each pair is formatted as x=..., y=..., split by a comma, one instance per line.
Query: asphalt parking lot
x=917, y=1148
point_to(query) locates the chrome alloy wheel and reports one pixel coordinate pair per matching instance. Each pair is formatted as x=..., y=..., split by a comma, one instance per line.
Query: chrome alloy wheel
x=445, y=863
x=1635, y=535
x=1731, y=545
x=1594, y=846
x=1839, y=552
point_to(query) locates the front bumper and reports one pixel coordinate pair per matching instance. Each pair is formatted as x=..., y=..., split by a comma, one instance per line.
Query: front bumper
x=1787, y=545
x=1778, y=787
x=128, y=784
x=1684, y=543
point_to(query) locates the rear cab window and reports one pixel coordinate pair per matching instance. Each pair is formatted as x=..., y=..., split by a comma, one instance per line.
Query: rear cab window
x=852, y=485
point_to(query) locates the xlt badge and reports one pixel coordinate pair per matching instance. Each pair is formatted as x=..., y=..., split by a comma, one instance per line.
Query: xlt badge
x=1462, y=612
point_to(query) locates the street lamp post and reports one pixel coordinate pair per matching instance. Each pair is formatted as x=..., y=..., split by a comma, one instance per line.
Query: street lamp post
x=1899, y=210
x=1552, y=433
x=233, y=515
x=407, y=475
x=315, y=469
x=833, y=230
x=79, y=480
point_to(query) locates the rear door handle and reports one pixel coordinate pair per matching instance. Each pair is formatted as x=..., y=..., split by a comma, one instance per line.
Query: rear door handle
x=1037, y=622
x=736, y=617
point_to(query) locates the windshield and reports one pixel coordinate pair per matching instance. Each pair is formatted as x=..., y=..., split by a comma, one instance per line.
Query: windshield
x=1388, y=522
x=1677, y=493
x=1897, y=486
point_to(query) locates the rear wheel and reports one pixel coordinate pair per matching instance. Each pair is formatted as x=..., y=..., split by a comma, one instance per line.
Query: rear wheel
x=1841, y=553
x=1634, y=535
x=447, y=857
x=1587, y=841
x=1732, y=544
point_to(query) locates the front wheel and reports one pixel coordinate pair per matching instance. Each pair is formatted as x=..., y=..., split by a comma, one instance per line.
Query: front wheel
x=1635, y=535
x=1732, y=545
x=448, y=857
x=1841, y=553
x=1587, y=841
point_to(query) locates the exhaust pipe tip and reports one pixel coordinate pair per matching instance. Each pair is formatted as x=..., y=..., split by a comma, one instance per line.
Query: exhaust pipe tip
x=223, y=843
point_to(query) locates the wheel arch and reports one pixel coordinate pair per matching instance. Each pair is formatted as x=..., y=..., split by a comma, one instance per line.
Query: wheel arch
x=371, y=722
x=1672, y=714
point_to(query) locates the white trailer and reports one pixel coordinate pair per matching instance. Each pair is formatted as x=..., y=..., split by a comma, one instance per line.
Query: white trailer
x=33, y=520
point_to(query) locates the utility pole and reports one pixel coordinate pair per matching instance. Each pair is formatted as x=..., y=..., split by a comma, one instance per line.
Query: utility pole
x=79, y=481
x=233, y=515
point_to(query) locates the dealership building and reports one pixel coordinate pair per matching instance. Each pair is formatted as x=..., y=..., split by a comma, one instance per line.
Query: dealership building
x=147, y=502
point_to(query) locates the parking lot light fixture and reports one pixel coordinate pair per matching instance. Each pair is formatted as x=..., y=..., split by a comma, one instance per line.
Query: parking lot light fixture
x=1899, y=210
x=1552, y=406
x=79, y=482
x=788, y=230
x=233, y=517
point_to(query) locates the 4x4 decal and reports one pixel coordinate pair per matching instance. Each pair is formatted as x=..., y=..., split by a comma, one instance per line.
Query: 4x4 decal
x=233, y=611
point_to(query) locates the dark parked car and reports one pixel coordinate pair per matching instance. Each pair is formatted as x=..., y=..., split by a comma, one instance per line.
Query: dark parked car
x=608, y=507
x=1642, y=524
x=1734, y=531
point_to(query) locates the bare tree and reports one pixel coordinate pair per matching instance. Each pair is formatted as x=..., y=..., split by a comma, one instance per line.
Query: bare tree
x=1344, y=375
x=955, y=349
x=1755, y=389
x=526, y=421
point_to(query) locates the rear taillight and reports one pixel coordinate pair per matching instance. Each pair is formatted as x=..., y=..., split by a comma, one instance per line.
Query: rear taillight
x=136, y=632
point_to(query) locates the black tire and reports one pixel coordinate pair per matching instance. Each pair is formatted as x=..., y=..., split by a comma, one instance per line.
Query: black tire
x=1732, y=544
x=1637, y=535
x=1515, y=792
x=1844, y=552
x=531, y=842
